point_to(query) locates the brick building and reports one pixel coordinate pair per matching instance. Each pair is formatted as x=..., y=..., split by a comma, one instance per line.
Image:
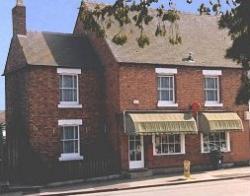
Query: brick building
x=72, y=97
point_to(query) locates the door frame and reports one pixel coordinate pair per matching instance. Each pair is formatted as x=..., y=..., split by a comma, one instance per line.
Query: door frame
x=136, y=164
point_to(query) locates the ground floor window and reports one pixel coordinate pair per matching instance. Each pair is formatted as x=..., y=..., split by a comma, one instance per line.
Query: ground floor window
x=70, y=139
x=215, y=141
x=168, y=144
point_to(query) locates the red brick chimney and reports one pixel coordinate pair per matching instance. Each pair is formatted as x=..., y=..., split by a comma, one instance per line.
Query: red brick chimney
x=19, y=18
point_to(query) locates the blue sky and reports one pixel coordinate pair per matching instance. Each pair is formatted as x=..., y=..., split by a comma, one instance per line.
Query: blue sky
x=49, y=15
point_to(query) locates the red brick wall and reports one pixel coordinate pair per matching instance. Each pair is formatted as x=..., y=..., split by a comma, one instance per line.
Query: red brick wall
x=139, y=82
x=111, y=85
x=16, y=117
x=44, y=112
x=16, y=58
x=32, y=97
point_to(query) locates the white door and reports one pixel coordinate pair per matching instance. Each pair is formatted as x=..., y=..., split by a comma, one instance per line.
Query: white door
x=136, y=152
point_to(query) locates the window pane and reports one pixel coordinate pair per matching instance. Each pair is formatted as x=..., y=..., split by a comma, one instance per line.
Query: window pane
x=171, y=148
x=164, y=139
x=132, y=155
x=76, y=132
x=164, y=148
x=165, y=82
x=68, y=133
x=67, y=81
x=165, y=88
x=68, y=147
x=168, y=144
x=171, y=82
x=177, y=138
x=76, y=146
x=171, y=138
x=211, y=83
x=171, y=96
x=165, y=95
x=215, y=141
x=177, y=148
x=67, y=95
x=211, y=95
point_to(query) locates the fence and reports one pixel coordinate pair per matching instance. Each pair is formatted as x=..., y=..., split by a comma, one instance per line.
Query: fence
x=2, y=154
x=83, y=169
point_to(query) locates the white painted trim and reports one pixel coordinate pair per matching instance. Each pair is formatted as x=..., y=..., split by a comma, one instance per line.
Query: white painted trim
x=67, y=105
x=165, y=71
x=136, y=164
x=228, y=147
x=166, y=104
x=69, y=71
x=213, y=104
x=248, y=74
x=183, y=149
x=70, y=157
x=212, y=72
x=228, y=142
x=66, y=122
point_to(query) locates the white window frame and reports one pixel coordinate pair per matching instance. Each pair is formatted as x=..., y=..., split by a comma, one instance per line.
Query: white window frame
x=182, y=143
x=227, y=137
x=163, y=103
x=70, y=72
x=213, y=74
x=71, y=123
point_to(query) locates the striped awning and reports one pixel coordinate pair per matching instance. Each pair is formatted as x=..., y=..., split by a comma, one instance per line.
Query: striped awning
x=223, y=121
x=159, y=123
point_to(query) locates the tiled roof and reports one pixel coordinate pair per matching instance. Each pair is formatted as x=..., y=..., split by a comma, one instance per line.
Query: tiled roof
x=57, y=49
x=200, y=35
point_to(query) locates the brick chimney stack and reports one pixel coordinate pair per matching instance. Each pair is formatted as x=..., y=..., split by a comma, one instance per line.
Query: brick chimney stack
x=19, y=18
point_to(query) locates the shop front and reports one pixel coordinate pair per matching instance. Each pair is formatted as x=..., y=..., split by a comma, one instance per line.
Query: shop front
x=156, y=139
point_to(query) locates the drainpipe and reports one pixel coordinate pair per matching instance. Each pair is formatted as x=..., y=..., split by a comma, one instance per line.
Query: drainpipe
x=124, y=121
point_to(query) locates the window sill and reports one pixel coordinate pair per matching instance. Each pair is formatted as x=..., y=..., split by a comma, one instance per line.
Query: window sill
x=226, y=151
x=157, y=155
x=70, y=157
x=69, y=105
x=166, y=104
x=207, y=104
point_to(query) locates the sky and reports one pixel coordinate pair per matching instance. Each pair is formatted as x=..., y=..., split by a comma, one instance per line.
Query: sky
x=50, y=15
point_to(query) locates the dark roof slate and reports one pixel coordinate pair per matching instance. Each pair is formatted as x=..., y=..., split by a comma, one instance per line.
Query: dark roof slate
x=200, y=35
x=57, y=49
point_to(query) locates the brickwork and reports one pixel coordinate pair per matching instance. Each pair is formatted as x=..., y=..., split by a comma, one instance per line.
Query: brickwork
x=139, y=82
x=19, y=20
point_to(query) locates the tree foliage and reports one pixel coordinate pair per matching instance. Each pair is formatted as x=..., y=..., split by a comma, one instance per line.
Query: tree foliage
x=235, y=17
x=100, y=18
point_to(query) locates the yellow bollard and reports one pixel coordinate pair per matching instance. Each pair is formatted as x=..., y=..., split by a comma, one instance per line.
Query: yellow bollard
x=186, y=165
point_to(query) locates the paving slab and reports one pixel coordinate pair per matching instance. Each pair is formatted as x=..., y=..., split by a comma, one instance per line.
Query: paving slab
x=154, y=181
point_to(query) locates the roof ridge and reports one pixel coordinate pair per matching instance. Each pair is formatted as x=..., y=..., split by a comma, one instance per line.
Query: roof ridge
x=52, y=32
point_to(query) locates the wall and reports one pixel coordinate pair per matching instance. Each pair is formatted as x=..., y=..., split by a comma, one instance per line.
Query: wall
x=139, y=82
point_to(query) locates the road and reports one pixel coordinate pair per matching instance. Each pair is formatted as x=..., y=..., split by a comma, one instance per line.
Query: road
x=236, y=187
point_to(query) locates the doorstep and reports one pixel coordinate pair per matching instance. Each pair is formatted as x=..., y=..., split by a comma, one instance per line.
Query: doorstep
x=137, y=173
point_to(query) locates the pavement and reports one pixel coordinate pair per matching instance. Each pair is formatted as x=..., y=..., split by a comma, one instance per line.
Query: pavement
x=154, y=181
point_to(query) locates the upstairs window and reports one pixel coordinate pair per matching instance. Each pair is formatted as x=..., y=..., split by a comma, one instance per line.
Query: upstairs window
x=212, y=94
x=166, y=88
x=212, y=88
x=68, y=88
